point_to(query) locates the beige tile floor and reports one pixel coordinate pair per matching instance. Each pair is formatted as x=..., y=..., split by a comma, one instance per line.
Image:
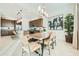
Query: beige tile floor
x=61, y=49
x=8, y=45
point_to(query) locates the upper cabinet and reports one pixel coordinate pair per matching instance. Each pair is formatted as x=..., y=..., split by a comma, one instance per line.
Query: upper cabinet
x=7, y=26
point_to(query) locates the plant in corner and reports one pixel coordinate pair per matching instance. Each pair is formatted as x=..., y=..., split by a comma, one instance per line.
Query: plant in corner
x=68, y=25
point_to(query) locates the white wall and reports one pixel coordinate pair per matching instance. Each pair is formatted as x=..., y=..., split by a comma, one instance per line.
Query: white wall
x=30, y=11
x=25, y=25
x=75, y=29
x=10, y=11
x=78, y=25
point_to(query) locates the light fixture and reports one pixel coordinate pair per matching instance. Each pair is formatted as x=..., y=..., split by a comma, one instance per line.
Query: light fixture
x=39, y=8
x=42, y=11
x=19, y=16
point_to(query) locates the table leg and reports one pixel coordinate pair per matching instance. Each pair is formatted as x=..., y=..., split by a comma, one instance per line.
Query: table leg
x=42, y=47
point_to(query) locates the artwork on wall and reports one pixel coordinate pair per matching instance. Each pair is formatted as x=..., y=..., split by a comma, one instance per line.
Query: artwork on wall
x=56, y=22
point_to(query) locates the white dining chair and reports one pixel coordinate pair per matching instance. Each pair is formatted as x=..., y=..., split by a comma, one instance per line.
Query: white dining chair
x=29, y=47
x=50, y=41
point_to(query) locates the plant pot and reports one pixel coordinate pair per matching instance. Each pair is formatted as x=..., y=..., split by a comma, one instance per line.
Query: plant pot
x=68, y=39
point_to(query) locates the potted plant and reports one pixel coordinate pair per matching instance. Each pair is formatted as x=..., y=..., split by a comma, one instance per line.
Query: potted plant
x=68, y=25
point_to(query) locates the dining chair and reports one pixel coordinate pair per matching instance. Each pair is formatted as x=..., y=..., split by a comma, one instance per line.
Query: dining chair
x=29, y=47
x=53, y=40
x=50, y=40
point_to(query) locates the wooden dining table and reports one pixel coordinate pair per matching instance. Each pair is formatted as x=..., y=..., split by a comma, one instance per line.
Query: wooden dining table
x=40, y=36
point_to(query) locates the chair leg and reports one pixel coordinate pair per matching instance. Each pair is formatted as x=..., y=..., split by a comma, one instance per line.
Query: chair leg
x=55, y=42
x=29, y=52
x=40, y=51
x=49, y=49
x=52, y=45
x=22, y=52
x=37, y=53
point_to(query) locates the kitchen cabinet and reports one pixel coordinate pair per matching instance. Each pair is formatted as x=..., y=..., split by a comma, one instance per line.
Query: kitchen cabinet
x=7, y=26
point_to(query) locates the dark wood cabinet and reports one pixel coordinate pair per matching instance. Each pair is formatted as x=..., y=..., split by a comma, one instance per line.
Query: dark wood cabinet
x=35, y=24
x=7, y=26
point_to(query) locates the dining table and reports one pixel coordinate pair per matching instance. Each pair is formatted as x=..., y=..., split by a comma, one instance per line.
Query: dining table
x=40, y=36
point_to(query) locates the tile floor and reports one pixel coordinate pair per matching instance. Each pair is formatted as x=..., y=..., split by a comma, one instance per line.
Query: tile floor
x=61, y=49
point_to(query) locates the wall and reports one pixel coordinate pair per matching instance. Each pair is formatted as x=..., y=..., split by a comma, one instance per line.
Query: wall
x=0, y=26
x=78, y=25
x=45, y=22
x=75, y=29
x=30, y=10
x=10, y=11
x=25, y=25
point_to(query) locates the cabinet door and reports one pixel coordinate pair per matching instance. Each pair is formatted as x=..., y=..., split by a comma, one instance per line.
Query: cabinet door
x=4, y=32
x=7, y=27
